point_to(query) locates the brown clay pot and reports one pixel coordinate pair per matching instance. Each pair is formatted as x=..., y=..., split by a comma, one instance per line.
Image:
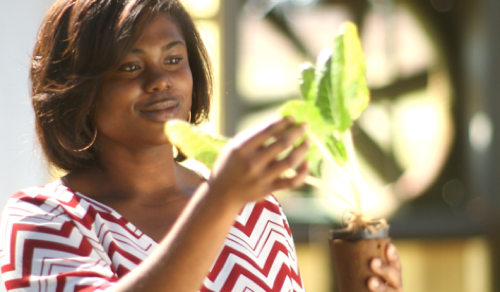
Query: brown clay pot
x=352, y=254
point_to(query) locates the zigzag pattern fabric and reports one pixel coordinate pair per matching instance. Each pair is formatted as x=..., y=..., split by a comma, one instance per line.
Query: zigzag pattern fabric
x=53, y=239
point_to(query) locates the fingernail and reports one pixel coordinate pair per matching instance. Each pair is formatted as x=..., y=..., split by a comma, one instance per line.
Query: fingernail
x=391, y=251
x=377, y=263
x=374, y=283
x=290, y=119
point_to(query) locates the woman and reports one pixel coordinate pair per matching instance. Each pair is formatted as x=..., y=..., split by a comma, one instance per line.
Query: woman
x=106, y=75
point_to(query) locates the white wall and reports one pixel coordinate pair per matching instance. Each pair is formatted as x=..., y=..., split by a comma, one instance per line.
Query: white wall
x=20, y=166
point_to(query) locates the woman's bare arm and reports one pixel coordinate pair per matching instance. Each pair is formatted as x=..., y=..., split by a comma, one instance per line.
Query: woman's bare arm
x=246, y=171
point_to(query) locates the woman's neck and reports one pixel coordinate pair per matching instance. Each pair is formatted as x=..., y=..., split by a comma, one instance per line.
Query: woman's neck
x=148, y=176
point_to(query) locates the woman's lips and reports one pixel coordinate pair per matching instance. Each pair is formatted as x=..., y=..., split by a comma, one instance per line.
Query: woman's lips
x=161, y=111
x=162, y=105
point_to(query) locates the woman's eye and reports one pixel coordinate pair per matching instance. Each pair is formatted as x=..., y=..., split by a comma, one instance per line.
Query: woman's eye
x=173, y=61
x=129, y=67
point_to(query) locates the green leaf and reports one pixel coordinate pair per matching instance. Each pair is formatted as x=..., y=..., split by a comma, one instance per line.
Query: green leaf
x=337, y=147
x=306, y=81
x=194, y=142
x=348, y=75
x=314, y=159
x=306, y=112
x=322, y=86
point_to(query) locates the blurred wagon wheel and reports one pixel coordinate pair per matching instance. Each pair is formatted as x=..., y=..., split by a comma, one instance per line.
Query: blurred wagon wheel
x=404, y=137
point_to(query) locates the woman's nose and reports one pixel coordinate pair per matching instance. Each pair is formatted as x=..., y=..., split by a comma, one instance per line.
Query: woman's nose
x=158, y=80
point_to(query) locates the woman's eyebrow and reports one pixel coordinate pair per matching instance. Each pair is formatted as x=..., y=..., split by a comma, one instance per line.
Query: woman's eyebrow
x=166, y=47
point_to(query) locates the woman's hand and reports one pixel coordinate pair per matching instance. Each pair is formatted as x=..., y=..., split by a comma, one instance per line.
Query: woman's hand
x=248, y=168
x=389, y=275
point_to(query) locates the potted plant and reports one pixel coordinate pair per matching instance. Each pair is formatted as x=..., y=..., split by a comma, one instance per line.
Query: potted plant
x=334, y=94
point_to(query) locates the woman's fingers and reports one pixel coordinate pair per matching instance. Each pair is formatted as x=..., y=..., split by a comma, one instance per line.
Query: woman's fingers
x=264, y=159
x=375, y=285
x=295, y=158
x=389, y=275
x=252, y=141
x=389, y=278
x=291, y=161
x=283, y=142
x=252, y=169
x=392, y=256
x=293, y=182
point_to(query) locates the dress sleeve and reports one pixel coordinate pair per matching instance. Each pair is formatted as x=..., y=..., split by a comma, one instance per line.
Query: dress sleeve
x=42, y=249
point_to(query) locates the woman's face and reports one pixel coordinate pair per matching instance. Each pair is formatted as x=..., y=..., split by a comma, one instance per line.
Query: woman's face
x=152, y=85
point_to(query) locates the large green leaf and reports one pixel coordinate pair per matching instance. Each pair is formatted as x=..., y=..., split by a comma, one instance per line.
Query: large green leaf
x=194, y=142
x=337, y=148
x=348, y=74
x=323, y=87
x=306, y=81
x=305, y=112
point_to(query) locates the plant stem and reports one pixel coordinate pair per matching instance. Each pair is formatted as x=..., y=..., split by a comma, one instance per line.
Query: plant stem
x=352, y=168
x=339, y=172
x=318, y=183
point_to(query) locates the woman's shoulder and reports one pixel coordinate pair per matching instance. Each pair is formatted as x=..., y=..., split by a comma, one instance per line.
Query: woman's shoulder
x=53, y=197
x=40, y=194
x=37, y=208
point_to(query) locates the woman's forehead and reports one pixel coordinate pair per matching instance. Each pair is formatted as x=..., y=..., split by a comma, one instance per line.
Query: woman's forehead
x=160, y=28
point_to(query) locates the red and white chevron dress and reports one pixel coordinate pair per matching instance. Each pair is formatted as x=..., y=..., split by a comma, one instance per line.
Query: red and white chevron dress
x=53, y=239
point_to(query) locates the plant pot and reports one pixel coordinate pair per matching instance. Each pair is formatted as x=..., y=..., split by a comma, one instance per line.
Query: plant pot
x=352, y=252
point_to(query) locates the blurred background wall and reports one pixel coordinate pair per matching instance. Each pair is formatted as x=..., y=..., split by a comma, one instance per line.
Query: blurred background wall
x=427, y=144
x=20, y=166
